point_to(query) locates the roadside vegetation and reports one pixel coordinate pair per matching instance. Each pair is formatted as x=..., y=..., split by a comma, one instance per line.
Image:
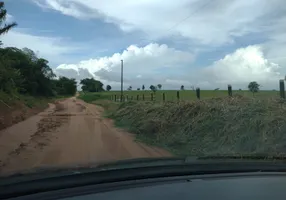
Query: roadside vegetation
x=238, y=125
x=26, y=80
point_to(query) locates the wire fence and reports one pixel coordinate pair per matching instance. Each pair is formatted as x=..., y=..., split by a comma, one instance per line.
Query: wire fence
x=194, y=95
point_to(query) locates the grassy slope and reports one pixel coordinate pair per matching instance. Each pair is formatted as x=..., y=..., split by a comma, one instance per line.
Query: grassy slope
x=233, y=126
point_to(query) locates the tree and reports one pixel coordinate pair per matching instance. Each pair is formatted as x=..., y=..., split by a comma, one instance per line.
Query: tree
x=159, y=86
x=129, y=88
x=22, y=71
x=34, y=74
x=138, y=88
x=4, y=28
x=253, y=87
x=108, y=87
x=153, y=88
x=65, y=86
x=143, y=87
x=182, y=87
x=91, y=85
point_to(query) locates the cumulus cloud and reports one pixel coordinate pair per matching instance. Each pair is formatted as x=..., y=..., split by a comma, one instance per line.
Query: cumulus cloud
x=145, y=61
x=51, y=48
x=205, y=22
x=241, y=67
x=155, y=64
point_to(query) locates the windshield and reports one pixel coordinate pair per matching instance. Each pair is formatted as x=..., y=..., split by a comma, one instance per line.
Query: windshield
x=84, y=83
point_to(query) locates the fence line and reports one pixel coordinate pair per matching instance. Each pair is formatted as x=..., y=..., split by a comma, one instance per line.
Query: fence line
x=154, y=97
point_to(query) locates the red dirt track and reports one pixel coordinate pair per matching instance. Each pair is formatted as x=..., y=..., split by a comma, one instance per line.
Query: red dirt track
x=68, y=133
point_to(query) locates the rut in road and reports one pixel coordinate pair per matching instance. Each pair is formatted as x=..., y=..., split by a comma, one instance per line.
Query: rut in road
x=70, y=132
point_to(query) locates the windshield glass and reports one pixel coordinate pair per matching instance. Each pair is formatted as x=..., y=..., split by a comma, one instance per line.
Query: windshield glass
x=85, y=82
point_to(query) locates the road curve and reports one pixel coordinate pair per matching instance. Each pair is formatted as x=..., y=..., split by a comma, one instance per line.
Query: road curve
x=70, y=132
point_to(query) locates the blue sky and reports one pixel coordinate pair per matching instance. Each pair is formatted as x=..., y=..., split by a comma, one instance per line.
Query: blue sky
x=192, y=42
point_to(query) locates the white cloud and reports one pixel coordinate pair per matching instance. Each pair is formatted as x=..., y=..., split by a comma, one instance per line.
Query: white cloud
x=144, y=61
x=52, y=48
x=154, y=61
x=209, y=23
x=141, y=60
x=275, y=47
x=241, y=67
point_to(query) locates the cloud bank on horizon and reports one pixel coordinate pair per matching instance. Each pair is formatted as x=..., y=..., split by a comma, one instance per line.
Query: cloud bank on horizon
x=201, y=43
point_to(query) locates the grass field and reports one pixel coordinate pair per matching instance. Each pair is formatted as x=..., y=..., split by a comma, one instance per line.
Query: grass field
x=239, y=126
x=171, y=95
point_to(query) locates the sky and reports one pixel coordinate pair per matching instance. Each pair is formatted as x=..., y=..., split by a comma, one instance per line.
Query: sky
x=195, y=43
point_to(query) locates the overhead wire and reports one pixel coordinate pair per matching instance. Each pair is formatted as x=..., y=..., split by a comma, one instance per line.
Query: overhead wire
x=184, y=19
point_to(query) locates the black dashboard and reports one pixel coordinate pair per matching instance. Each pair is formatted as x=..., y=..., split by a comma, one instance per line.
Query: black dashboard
x=236, y=186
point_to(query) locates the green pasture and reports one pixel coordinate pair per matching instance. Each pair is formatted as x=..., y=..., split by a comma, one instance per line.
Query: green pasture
x=171, y=95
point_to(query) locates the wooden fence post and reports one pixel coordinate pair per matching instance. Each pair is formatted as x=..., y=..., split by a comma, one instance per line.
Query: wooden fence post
x=126, y=97
x=198, y=93
x=178, y=95
x=115, y=98
x=164, y=96
x=137, y=97
x=151, y=96
x=282, y=89
x=229, y=88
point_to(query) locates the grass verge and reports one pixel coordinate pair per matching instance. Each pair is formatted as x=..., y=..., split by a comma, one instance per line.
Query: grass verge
x=221, y=126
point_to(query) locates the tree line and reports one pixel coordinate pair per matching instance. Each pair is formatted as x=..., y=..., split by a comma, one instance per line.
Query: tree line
x=92, y=85
x=23, y=72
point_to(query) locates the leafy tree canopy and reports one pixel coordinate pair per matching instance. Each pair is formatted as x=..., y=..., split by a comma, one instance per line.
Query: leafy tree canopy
x=21, y=71
x=153, y=88
x=108, y=87
x=91, y=85
x=253, y=87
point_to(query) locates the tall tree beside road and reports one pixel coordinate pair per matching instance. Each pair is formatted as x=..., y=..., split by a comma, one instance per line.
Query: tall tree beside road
x=21, y=71
x=159, y=86
x=4, y=28
x=143, y=87
x=182, y=87
x=65, y=86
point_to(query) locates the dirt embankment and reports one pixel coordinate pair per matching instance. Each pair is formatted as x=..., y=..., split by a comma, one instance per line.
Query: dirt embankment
x=69, y=133
x=17, y=112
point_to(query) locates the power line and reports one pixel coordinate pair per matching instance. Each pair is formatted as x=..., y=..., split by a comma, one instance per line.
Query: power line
x=178, y=23
x=184, y=19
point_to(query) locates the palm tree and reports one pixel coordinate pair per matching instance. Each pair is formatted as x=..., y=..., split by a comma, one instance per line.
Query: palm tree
x=4, y=28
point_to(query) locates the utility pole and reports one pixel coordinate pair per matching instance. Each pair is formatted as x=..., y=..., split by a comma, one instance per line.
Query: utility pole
x=121, y=98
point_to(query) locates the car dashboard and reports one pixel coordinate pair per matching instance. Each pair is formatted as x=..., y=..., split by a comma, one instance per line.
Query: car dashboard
x=236, y=186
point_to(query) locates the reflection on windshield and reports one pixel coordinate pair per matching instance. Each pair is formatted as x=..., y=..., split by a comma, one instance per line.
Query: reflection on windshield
x=91, y=89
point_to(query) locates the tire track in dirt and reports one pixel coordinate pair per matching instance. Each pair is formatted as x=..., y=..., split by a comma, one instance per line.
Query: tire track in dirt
x=70, y=133
x=41, y=138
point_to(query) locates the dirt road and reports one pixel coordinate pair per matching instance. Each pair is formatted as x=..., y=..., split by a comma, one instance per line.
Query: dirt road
x=68, y=133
